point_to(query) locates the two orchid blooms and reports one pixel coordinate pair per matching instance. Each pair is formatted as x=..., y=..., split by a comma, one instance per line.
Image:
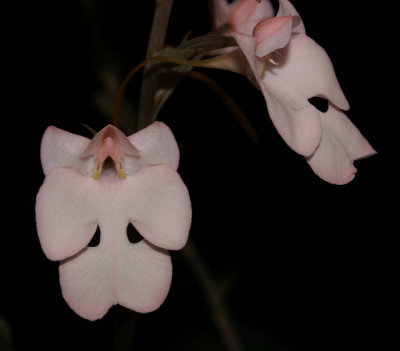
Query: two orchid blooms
x=113, y=181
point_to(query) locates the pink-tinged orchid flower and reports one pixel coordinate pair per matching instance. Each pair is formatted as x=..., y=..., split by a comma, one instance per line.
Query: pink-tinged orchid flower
x=290, y=68
x=108, y=183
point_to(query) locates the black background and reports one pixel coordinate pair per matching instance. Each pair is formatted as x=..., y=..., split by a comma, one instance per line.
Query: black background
x=305, y=264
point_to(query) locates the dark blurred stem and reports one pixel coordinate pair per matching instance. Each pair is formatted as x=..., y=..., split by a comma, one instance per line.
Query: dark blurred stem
x=125, y=322
x=213, y=296
x=156, y=43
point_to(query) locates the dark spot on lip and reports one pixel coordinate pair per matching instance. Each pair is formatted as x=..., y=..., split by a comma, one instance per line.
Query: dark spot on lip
x=95, y=241
x=319, y=103
x=133, y=235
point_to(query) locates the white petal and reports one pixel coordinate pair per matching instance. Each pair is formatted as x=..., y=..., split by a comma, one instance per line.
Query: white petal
x=144, y=274
x=299, y=126
x=137, y=276
x=296, y=120
x=157, y=203
x=86, y=282
x=341, y=144
x=66, y=214
x=305, y=71
x=157, y=145
x=62, y=149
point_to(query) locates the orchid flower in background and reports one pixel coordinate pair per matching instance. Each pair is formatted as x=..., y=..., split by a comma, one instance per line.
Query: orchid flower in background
x=290, y=68
x=108, y=183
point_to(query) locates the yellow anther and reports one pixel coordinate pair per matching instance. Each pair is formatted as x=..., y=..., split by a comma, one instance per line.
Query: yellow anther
x=120, y=170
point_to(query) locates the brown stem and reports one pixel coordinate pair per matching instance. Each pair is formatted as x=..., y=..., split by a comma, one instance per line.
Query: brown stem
x=121, y=91
x=194, y=63
x=156, y=43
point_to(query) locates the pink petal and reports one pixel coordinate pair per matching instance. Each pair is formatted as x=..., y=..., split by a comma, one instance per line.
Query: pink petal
x=119, y=139
x=62, y=149
x=305, y=71
x=157, y=145
x=110, y=142
x=158, y=205
x=341, y=144
x=221, y=12
x=245, y=14
x=272, y=34
x=66, y=215
x=137, y=276
x=287, y=9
